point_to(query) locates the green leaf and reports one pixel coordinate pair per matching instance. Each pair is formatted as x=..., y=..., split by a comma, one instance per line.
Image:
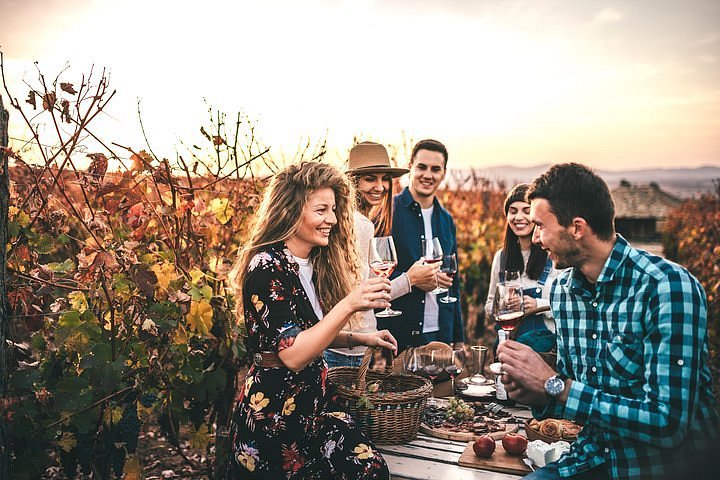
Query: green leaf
x=200, y=293
x=70, y=319
x=64, y=267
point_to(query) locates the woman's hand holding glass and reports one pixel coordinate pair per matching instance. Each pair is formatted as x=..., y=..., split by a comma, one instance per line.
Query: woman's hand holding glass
x=370, y=294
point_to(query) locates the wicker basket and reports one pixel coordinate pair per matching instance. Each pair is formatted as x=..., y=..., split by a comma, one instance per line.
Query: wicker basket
x=390, y=415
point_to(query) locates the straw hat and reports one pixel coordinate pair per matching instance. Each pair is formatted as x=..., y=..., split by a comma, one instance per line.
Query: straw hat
x=371, y=157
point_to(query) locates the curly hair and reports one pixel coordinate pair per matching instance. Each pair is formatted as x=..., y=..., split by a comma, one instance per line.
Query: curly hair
x=279, y=216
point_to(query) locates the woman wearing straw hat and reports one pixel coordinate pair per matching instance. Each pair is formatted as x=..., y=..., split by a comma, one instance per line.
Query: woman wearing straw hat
x=296, y=284
x=370, y=170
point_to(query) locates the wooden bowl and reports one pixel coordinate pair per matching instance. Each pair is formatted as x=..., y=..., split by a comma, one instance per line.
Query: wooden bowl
x=533, y=434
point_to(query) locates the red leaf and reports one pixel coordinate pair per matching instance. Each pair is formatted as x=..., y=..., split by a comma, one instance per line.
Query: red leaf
x=67, y=87
x=49, y=100
x=31, y=99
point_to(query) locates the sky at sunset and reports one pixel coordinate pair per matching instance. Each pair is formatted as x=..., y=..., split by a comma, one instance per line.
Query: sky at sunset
x=615, y=85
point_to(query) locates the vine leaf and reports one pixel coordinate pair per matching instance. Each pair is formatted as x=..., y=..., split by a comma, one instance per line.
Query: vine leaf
x=200, y=317
x=199, y=438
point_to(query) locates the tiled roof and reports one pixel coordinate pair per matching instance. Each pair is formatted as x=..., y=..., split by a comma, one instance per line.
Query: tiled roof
x=642, y=201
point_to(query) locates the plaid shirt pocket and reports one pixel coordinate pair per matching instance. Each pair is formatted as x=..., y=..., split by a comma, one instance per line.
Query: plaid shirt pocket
x=624, y=360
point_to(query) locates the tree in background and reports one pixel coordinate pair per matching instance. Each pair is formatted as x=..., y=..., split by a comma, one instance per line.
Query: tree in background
x=692, y=239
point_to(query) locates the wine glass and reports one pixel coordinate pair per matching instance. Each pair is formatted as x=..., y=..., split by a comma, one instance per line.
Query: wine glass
x=433, y=253
x=479, y=353
x=383, y=260
x=430, y=364
x=449, y=268
x=508, y=305
x=455, y=364
x=412, y=362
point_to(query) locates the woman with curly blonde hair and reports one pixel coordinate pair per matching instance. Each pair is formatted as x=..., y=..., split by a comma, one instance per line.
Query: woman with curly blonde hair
x=296, y=284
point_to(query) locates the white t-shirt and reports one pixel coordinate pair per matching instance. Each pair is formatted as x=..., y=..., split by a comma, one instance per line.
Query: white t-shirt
x=432, y=312
x=306, y=274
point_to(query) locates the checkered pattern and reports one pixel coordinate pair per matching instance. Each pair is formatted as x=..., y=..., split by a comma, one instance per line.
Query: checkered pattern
x=635, y=344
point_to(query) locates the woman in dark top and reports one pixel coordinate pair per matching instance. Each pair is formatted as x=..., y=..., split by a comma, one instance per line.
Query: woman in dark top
x=294, y=280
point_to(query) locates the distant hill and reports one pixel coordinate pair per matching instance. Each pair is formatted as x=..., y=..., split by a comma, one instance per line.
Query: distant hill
x=682, y=182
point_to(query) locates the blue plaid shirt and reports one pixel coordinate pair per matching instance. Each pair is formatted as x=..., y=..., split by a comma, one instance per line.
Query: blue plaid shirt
x=635, y=345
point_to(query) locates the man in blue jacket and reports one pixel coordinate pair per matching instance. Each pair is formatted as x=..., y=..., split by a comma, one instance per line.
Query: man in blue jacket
x=418, y=216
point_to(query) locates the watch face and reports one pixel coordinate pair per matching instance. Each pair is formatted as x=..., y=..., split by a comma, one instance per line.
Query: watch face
x=554, y=386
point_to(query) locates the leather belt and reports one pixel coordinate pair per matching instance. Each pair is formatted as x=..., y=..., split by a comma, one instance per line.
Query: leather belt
x=267, y=360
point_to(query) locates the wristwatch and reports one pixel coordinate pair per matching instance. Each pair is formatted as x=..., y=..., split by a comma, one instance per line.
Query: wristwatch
x=554, y=386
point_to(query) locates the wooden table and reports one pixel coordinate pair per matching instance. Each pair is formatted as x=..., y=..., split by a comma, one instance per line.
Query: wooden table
x=431, y=458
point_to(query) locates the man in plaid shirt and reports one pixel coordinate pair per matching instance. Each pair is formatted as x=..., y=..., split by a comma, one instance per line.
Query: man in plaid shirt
x=632, y=345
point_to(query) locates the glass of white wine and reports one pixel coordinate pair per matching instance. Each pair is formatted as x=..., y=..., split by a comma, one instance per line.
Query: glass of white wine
x=382, y=259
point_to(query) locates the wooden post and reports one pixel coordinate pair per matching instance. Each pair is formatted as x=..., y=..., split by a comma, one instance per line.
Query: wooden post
x=4, y=304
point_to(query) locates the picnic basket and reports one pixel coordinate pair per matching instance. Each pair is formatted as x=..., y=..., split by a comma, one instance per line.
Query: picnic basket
x=388, y=415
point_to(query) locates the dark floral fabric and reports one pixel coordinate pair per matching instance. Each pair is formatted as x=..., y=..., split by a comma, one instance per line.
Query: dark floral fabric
x=285, y=425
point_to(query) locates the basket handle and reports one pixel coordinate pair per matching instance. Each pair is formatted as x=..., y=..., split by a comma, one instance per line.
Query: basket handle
x=530, y=313
x=365, y=365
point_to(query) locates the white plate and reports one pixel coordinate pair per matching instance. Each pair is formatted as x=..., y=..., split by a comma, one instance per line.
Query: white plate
x=478, y=391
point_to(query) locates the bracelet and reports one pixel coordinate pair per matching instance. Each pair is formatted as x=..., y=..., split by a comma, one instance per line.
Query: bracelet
x=349, y=337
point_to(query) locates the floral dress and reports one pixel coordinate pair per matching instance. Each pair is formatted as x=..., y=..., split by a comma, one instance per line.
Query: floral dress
x=284, y=425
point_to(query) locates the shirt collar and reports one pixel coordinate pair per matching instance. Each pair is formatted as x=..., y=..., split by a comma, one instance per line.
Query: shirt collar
x=406, y=199
x=619, y=253
x=577, y=281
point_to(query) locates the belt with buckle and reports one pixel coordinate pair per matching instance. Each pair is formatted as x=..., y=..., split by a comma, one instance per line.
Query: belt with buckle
x=267, y=360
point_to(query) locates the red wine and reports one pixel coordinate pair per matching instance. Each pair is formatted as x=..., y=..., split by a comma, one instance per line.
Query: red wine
x=453, y=371
x=432, y=371
x=383, y=269
x=508, y=321
x=430, y=261
x=449, y=273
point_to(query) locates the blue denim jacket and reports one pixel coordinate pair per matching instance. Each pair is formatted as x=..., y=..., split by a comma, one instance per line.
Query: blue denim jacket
x=408, y=234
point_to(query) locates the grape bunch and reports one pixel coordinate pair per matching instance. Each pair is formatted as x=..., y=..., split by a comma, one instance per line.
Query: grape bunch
x=459, y=411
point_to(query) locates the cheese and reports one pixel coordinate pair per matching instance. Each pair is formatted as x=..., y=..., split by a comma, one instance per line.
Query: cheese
x=542, y=453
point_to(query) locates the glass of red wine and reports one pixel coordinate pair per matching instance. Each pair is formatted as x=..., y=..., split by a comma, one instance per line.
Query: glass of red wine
x=455, y=365
x=433, y=253
x=382, y=259
x=449, y=268
x=508, y=305
x=430, y=363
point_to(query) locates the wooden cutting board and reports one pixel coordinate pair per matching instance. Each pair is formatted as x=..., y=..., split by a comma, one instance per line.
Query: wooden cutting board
x=500, y=461
x=440, y=432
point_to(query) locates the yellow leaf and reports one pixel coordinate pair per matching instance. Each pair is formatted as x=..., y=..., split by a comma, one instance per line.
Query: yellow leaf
x=112, y=416
x=78, y=301
x=199, y=438
x=180, y=337
x=144, y=413
x=133, y=469
x=167, y=198
x=67, y=442
x=165, y=273
x=222, y=210
x=199, y=318
x=196, y=275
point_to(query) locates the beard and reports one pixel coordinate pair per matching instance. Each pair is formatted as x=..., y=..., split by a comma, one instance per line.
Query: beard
x=567, y=254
